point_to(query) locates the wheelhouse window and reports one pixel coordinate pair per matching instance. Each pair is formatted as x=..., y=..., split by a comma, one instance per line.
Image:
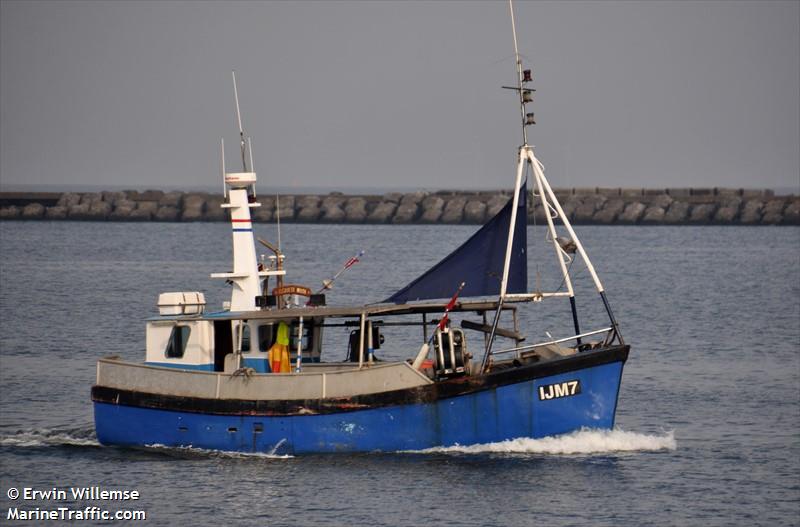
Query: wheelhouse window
x=245, y=336
x=176, y=345
x=265, y=337
x=307, y=342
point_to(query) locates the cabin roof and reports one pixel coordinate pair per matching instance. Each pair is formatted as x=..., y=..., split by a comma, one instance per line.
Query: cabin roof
x=344, y=311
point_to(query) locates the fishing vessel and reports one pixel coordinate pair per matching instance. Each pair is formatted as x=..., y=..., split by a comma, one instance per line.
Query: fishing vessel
x=254, y=376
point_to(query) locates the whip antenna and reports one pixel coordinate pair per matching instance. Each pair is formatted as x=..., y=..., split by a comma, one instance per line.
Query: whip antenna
x=523, y=77
x=239, y=119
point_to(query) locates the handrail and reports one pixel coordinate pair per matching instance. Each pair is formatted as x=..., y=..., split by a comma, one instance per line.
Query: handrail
x=540, y=344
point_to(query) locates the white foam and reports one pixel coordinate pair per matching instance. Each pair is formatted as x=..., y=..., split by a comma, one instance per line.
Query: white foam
x=50, y=437
x=205, y=452
x=582, y=442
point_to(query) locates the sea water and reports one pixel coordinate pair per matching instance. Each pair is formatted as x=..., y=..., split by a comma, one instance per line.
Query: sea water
x=708, y=423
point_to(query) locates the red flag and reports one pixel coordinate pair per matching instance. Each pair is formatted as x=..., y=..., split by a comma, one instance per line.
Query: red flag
x=450, y=305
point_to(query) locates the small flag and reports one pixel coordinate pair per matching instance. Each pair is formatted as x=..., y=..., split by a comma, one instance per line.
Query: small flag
x=328, y=283
x=354, y=260
x=450, y=305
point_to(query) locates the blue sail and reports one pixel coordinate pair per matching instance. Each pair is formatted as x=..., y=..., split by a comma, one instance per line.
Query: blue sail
x=478, y=262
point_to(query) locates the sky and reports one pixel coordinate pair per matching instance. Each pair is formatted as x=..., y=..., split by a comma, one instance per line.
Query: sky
x=399, y=95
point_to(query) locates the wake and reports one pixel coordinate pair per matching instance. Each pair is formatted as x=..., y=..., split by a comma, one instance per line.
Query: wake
x=582, y=442
x=84, y=437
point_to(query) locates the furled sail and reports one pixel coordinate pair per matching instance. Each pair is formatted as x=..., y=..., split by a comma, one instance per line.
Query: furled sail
x=478, y=262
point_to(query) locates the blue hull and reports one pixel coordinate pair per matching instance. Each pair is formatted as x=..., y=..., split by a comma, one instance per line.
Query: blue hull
x=522, y=409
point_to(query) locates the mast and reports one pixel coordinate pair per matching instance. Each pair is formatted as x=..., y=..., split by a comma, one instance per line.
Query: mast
x=521, y=78
x=527, y=156
x=239, y=189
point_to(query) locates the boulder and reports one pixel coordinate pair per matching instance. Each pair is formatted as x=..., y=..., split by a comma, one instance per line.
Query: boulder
x=12, y=212
x=773, y=212
x=570, y=206
x=167, y=213
x=751, y=212
x=171, y=199
x=194, y=205
x=79, y=212
x=791, y=214
x=332, y=214
x=703, y=213
x=99, y=210
x=406, y=213
x=584, y=213
x=284, y=212
x=662, y=200
x=214, y=210
x=149, y=206
x=432, y=207
x=393, y=197
x=90, y=197
x=56, y=213
x=726, y=215
x=191, y=214
x=122, y=210
x=454, y=210
x=632, y=214
x=68, y=199
x=112, y=197
x=267, y=202
x=355, y=210
x=495, y=203
x=413, y=197
x=654, y=215
x=333, y=201
x=383, y=212
x=677, y=213
x=263, y=214
x=32, y=211
x=608, y=214
x=195, y=201
x=150, y=195
x=138, y=214
x=475, y=212
x=303, y=202
x=308, y=214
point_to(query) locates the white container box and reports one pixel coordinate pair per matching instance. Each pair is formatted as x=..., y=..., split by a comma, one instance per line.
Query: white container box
x=181, y=303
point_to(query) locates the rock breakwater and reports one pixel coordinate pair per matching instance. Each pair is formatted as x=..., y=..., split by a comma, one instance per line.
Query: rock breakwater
x=584, y=206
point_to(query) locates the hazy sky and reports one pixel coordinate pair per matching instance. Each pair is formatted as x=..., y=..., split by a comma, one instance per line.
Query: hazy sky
x=399, y=94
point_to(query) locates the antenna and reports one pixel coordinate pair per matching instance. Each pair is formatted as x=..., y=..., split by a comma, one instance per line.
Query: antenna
x=222, y=166
x=278, y=216
x=239, y=119
x=252, y=166
x=523, y=77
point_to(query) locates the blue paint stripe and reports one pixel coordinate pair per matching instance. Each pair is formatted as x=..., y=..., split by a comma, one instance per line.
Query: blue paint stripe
x=200, y=367
x=242, y=230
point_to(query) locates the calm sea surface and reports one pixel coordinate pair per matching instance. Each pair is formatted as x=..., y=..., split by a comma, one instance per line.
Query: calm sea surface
x=708, y=426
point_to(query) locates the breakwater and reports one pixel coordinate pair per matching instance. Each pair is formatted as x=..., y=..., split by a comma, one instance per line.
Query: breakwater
x=584, y=206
